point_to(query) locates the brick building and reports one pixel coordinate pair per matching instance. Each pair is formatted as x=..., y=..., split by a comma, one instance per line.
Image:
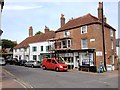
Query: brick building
x=80, y=41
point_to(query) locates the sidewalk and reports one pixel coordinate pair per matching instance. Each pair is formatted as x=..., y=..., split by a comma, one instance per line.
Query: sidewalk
x=9, y=81
x=108, y=73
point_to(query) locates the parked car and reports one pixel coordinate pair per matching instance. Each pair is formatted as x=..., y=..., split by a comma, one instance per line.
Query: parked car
x=11, y=61
x=54, y=64
x=32, y=63
x=21, y=62
x=2, y=62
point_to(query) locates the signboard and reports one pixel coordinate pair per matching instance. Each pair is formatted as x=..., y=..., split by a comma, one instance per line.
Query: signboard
x=98, y=53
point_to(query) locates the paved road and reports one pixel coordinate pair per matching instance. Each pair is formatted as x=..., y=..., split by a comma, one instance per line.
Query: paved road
x=38, y=78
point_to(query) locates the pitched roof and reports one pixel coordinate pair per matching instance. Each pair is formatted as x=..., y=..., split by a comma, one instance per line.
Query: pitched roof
x=80, y=21
x=37, y=38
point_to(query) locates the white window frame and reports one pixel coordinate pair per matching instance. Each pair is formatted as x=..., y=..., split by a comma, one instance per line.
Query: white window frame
x=111, y=33
x=83, y=31
x=70, y=43
x=112, y=45
x=113, y=59
x=82, y=46
x=66, y=33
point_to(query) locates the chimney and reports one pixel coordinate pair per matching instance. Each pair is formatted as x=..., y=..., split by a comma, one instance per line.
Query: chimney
x=100, y=11
x=30, y=31
x=46, y=29
x=104, y=18
x=62, y=20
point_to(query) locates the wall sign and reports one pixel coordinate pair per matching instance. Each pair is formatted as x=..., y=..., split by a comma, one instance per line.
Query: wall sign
x=98, y=53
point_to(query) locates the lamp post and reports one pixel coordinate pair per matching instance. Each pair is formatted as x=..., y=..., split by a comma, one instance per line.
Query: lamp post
x=103, y=38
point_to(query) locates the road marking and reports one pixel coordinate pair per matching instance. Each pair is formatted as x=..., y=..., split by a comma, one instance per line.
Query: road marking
x=25, y=84
x=20, y=83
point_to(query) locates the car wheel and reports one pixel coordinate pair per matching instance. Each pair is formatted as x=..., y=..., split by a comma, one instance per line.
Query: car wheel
x=43, y=67
x=25, y=65
x=32, y=66
x=57, y=69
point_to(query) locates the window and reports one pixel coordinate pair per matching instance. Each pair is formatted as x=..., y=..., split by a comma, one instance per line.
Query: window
x=49, y=60
x=69, y=43
x=111, y=32
x=54, y=62
x=34, y=49
x=66, y=33
x=83, y=29
x=64, y=44
x=112, y=45
x=41, y=48
x=47, y=48
x=113, y=61
x=84, y=43
x=34, y=57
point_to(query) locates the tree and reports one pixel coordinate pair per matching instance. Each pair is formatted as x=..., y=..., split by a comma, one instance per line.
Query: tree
x=8, y=43
x=39, y=32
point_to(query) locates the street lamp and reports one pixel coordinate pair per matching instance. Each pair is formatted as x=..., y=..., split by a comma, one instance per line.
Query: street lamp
x=1, y=32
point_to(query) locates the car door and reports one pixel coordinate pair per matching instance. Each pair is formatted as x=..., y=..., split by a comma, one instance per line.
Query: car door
x=53, y=64
x=48, y=64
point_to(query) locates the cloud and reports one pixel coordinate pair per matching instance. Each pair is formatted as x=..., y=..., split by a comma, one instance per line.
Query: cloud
x=20, y=7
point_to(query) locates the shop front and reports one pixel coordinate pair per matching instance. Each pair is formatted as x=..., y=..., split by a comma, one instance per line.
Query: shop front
x=78, y=59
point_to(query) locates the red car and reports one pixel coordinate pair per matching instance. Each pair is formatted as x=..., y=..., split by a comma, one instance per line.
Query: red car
x=54, y=64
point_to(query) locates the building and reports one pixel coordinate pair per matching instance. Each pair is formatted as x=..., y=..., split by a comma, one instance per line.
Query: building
x=34, y=47
x=80, y=41
x=118, y=47
x=1, y=7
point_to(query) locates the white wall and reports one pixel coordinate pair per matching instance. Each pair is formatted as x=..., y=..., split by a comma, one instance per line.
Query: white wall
x=38, y=52
x=21, y=52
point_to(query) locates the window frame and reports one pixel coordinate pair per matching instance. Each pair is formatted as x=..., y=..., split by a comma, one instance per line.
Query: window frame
x=82, y=46
x=83, y=31
x=41, y=48
x=34, y=49
x=111, y=32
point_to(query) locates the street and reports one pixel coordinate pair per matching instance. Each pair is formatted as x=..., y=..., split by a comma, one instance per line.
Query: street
x=38, y=78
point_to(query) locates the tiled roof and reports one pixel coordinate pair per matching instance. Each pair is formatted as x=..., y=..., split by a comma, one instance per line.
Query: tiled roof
x=37, y=38
x=80, y=21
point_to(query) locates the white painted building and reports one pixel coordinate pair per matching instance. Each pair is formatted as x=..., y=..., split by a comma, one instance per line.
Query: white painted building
x=34, y=47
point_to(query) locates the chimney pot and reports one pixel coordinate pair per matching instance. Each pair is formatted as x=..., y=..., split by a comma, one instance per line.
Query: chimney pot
x=100, y=11
x=30, y=31
x=46, y=29
x=62, y=20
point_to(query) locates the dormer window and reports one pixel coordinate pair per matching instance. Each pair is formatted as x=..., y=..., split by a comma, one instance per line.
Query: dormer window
x=83, y=29
x=66, y=33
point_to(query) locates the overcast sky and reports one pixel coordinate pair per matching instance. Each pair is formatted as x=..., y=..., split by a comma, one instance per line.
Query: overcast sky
x=17, y=16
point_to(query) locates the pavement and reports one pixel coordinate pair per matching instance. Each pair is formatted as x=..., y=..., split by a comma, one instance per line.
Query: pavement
x=11, y=81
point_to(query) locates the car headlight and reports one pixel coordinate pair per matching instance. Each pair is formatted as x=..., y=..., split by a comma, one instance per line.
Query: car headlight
x=61, y=66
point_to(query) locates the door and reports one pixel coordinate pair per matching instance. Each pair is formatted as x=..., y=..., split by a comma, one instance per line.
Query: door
x=53, y=64
x=77, y=61
x=48, y=64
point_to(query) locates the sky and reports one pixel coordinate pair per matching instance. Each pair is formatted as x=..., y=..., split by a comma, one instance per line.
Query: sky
x=17, y=16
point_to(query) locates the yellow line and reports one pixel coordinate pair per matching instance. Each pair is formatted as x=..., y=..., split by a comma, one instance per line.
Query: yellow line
x=19, y=80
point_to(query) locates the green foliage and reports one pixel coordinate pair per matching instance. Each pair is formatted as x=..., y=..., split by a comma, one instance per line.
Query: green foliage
x=39, y=32
x=8, y=43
